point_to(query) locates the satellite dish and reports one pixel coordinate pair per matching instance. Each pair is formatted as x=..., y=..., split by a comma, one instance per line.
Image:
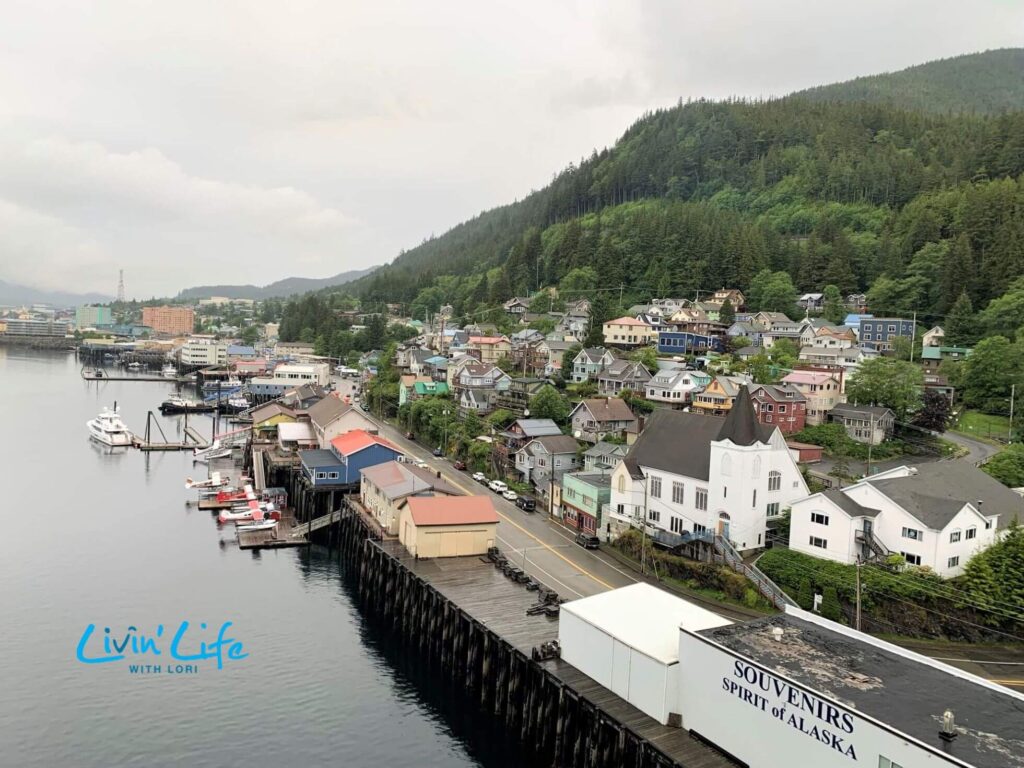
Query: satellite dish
x=577, y=434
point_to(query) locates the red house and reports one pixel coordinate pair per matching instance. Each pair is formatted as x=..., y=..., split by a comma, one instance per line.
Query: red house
x=779, y=405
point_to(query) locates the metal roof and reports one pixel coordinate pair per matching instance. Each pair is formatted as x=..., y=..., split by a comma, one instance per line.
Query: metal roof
x=645, y=618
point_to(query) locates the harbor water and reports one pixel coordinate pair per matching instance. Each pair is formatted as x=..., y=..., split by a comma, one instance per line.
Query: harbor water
x=105, y=538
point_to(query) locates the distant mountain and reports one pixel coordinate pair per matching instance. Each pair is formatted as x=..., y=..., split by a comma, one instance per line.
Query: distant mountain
x=987, y=82
x=286, y=287
x=14, y=294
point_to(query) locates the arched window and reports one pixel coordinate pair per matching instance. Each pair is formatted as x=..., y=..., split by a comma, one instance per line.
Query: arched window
x=622, y=483
x=726, y=465
x=756, y=469
x=774, y=480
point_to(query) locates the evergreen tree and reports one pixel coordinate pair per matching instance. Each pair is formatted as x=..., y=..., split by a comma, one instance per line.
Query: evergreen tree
x=961, y=325
x=549, y=404
x=959, y=274
x=830, y=607
x=833, y=308
x=805, y=595
x=726, y=314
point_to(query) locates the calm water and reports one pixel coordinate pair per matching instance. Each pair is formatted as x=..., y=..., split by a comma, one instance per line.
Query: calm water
x=93, y=537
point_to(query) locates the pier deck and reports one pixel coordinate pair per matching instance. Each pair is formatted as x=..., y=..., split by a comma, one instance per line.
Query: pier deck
x=488, y=596
x=276, y=538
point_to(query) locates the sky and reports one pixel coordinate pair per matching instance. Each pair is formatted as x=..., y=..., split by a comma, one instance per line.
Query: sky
x=194, y=143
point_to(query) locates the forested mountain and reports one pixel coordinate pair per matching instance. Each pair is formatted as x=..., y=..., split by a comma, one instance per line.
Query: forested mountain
x=287, y=287
x=991, y=82
x=13, y=294
x=913, y=205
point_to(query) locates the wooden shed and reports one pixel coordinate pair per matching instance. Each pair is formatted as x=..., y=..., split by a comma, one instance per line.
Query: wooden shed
x=447, y=526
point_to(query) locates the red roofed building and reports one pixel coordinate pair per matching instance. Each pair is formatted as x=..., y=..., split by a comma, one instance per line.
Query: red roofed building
x=447, y=526
x=349, y=454
x=491, y=348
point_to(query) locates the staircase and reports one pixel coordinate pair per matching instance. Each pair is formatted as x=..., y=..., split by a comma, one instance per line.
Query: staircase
x=727, y=554
x=878, y=550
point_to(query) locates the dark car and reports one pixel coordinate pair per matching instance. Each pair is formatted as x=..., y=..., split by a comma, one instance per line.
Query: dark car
x=459, y=464
x=409, y=436
x=527, y=504
x=437, y=451
x=587, y=541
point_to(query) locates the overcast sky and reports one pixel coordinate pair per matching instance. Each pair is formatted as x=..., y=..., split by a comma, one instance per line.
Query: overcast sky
x=207, y=142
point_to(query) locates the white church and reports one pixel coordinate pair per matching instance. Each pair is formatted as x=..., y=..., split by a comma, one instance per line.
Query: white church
x=691, y=473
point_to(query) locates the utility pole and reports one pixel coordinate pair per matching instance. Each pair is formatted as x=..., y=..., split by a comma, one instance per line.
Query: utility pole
x=1009, y=430
x=913, y=336
x=871, y=442
x=643, y=532
x=857, y=621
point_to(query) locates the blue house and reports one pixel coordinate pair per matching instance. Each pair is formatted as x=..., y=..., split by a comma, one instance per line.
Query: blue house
x=684, y=342
x=879, y=332
x=348, y=455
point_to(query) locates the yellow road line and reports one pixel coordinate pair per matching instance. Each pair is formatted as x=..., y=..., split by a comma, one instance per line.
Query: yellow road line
x=1007, y=682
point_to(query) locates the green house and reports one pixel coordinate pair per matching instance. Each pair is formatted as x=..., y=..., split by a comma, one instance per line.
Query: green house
x=584, y=494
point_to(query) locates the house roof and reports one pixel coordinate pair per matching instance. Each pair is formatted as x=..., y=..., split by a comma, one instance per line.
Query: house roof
x=625, y=369
x=807, y=377
x=593, y=354
x=296, y=430
x=487, y=339
x=848, y=505
x=319, y=458
x=680, y=442
x=605, y=409
x=553, y=444
x=267, y=410
x=940, y=489
x=604, y=448
x=430, y=387
x=627, y=321
x=779, y=392
x=357, y=440
x=397, y=479
x=538, y=427
x=861, y=411
x=451, y=510
x=328, y=410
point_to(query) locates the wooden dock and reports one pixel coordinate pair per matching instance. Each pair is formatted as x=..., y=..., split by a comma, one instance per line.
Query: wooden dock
x=192, y=440
x=275, y=538
x=466, y=614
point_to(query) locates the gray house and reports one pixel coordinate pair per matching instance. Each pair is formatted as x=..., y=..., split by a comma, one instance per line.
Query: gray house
x=590, y=362
x=864, y=423
x=536, y=460
x=596, y=418
x=623, y=374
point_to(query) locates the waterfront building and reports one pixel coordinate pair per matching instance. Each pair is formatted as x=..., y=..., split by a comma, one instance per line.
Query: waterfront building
x=384, y=487
x=446, y=526
x=169, y=321
x=93, y=316
x=204, y=352
x=37, y=328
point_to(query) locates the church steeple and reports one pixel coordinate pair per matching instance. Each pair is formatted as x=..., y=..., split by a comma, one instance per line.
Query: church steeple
x=741, y=425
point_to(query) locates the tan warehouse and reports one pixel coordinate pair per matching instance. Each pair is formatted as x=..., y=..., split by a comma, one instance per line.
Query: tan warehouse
x=447, y=526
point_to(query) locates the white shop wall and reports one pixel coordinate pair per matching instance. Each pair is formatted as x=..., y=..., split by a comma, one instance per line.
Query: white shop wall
x=765, y=735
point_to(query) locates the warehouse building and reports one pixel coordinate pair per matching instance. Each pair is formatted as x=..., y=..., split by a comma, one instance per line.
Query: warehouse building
x=790, y=690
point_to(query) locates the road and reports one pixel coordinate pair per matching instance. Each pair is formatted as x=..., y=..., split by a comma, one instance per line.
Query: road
x=542, y=548
x=977, y=450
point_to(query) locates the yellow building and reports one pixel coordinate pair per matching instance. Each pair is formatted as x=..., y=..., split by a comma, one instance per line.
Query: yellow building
x=266, y=418
x=444, y=526
x=628, y=332
x=491, y=348
x=718, y=397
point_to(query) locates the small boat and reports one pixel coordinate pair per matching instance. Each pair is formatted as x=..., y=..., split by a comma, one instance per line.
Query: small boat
x=212, y=386
x=262, y=525
x=214, y=481
x=107, y=428
x=235, y=404
x=169, y=371
x=177, y=404
x=135, y=366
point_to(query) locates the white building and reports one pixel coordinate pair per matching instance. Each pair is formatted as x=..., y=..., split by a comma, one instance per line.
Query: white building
x=675, y=387
x=936, y=515
x=204, y=351
x=628, y=640
x=691, y=473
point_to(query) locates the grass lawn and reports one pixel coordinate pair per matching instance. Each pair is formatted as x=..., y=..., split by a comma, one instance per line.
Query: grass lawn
x=983, y=425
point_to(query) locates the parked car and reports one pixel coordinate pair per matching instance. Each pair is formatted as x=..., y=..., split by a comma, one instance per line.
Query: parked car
x=587, y=541
x=437, y=451
x=510, y=495
x=409, y=436
x=526, y=504
x=460, y=465
x=480, y=477
x=421, y=463
x=498, y=486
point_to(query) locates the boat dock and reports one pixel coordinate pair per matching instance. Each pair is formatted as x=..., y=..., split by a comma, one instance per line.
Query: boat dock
x=286, y=534
x=98, y=374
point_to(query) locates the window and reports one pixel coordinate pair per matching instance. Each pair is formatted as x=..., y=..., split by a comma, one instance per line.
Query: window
x=971, y=533
x=819, y=543
x=885, y=762
x=988, y=524
x=911, y=559
x=782, y=408
x=725, y=491
x=655, y=486
x=332, y=475
x=892, y=329
x=321, y=475
x=654, y=515
x=620, y=508
x=622, y=483
x=677, y=493
x=676, y=524
x=819, y=518
x=913, y=533
x=774, y=480
x=702, y=499
x=698, y=528
x=953, y=562
x=954, y=537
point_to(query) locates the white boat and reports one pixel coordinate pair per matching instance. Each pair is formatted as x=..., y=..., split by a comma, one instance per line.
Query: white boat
x=107, y=428
x=231, y=383
x=169, y=371
x=134, y=366
x=215, y=480
x=262, y=525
